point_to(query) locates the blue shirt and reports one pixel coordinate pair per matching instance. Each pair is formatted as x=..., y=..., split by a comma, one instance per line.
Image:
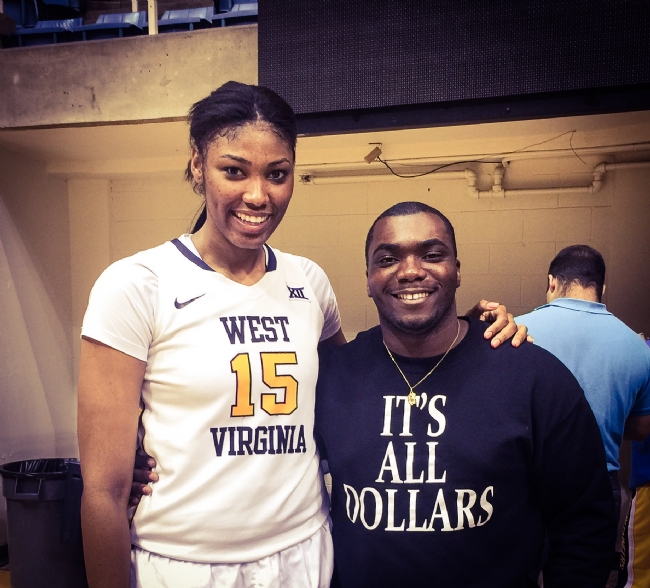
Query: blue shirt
x=609, y=360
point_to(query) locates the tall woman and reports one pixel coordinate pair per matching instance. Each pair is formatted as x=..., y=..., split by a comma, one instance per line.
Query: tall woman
x=213, y=336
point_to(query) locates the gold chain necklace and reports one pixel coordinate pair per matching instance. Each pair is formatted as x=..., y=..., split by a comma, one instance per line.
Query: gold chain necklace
x=412, y=397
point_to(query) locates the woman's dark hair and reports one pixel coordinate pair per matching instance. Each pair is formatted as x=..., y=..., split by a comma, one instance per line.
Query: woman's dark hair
x=231, y=106
x=579, y=264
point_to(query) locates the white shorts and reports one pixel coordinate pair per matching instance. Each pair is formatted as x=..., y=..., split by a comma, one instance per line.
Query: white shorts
x=306, y=565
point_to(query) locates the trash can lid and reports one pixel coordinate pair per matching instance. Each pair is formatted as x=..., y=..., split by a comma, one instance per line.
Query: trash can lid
x=36, y=468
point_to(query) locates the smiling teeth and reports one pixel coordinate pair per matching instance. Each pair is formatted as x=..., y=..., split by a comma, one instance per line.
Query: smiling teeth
x=257, y=220
x=413, y=296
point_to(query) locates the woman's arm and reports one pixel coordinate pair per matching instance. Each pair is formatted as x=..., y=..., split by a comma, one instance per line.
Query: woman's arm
x=337, y=338
x=109, y=407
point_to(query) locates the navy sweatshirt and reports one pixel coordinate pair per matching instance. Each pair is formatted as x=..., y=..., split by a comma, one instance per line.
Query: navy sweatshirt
x=460, y=490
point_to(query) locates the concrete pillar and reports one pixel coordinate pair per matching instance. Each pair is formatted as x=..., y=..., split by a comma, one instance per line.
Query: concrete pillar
x=89, y=204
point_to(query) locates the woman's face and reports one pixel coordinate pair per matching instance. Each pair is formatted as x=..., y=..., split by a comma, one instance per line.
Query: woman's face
x=247, y=177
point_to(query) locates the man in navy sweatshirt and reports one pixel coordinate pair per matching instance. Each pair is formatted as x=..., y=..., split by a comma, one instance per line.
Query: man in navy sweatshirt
x=452, y=462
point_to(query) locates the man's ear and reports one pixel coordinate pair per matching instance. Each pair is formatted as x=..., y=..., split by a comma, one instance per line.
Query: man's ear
x=553, y=290
x=457, y=273
x=552, y=284
x=604, y=288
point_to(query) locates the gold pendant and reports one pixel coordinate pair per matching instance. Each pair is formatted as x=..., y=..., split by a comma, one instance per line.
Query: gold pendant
x=412, y=398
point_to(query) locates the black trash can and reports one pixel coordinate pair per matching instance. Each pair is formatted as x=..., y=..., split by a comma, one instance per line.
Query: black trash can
x=44, y=523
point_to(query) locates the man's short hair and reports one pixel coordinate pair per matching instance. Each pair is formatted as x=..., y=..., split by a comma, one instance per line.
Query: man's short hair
x=579, y=264
x=407, y=209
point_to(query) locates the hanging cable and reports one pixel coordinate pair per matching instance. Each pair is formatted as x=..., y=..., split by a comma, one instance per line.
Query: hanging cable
x=482, y=159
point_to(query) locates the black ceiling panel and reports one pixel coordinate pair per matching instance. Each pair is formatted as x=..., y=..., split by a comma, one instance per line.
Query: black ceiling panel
x=337, y=56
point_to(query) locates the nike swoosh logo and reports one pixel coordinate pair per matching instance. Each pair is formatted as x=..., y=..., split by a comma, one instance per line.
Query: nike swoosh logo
x=180, y=305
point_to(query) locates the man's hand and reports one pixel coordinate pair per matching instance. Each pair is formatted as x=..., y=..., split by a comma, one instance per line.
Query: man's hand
x=502, y=325
x=142, y=476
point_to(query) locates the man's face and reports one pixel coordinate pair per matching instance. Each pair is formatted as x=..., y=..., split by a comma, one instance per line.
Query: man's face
x=413, y=273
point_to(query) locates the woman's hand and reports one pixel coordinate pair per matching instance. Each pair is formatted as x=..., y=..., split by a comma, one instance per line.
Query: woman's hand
x=502, y=325
x=142, y=476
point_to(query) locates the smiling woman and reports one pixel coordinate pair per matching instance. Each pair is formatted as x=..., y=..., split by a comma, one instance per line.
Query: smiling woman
x=242, y=160
x=213, y=337
x=246, y=177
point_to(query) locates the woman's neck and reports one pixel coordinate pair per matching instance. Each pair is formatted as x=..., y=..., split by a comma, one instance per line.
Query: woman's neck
x=245, y=266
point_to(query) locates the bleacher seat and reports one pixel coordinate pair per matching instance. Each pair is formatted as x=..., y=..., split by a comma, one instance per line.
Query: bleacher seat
x=110, y=26
x=187, y=19
x=224, y=5
x=32, y=31
x=23, y=12
x=240, y=13
x=47, y=31
x=61, y=9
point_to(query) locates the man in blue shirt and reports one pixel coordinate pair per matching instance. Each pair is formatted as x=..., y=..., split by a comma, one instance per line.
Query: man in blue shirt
x=609, y=360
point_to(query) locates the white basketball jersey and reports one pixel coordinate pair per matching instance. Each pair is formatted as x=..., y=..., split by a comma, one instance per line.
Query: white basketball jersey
x=228, y=398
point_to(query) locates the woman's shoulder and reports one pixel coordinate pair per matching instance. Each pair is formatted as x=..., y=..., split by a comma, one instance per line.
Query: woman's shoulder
x=123, y=303
x=149, y=260
x=309, y=266
x=320, y=284
x=139, y=270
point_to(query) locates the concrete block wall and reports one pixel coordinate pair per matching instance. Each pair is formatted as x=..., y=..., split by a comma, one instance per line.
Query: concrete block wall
x=504, y=245
x=145, y=212
x=38, y=205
